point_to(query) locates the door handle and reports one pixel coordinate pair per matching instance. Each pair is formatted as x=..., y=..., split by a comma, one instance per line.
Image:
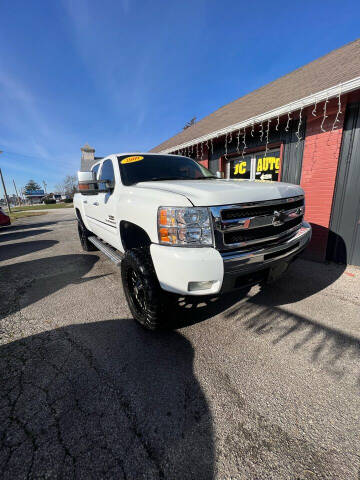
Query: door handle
x=85, y=201
x=96, y=204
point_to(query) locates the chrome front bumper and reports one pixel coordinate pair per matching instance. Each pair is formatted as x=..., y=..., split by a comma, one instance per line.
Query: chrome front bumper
x=242, y=269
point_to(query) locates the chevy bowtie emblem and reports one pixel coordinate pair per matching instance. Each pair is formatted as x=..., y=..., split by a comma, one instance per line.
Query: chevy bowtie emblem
x=277, y=219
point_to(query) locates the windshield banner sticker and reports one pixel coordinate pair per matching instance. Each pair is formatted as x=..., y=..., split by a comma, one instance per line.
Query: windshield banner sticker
x=132, y=159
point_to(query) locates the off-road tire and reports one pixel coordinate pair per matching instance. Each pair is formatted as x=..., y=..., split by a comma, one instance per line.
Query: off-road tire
x=148, y=308
x=84, y=235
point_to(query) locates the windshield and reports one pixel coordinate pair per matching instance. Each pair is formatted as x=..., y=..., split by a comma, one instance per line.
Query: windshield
x=150, y=168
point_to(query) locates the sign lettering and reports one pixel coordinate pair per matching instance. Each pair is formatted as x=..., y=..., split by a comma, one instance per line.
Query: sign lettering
x=268, y=163
x=240, y=168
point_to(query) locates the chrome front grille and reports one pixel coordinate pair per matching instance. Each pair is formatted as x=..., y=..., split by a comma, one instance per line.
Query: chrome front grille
x=243, y=225
x=232, y=213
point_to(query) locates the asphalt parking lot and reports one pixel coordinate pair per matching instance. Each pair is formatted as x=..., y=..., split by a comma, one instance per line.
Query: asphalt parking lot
x=262, y=386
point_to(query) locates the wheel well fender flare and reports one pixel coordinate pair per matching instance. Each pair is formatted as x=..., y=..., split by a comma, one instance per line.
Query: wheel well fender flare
x=78, y=215
x=133, y=236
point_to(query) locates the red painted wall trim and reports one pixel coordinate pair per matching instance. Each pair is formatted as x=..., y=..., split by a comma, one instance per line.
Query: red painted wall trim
x=204, y=162
x=281, y=160
x=319, y=169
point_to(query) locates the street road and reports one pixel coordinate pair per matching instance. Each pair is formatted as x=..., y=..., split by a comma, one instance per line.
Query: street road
x=263, y=386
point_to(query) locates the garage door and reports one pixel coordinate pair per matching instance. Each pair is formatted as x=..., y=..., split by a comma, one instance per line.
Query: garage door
x=344, y=238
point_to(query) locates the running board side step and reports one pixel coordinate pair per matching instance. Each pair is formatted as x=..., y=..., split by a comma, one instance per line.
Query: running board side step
x=110, y=252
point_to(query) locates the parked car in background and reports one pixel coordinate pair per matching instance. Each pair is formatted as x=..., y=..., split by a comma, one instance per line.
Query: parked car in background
x=4, y=218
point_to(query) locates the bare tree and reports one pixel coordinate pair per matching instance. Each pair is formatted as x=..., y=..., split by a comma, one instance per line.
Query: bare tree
x=67, y=186
x=70, y=184
x=59, y=188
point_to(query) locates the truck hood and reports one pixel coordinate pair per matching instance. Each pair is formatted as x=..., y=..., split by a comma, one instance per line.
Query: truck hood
x=225, y=192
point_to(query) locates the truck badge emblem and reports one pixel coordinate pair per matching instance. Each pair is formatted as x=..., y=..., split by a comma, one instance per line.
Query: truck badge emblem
x=277, y=219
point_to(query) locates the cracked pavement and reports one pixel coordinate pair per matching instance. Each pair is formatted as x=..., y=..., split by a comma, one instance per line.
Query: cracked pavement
x=262, y=386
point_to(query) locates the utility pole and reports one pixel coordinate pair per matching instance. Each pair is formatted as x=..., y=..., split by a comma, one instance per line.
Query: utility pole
x=19, y=198
x=3, y=184
x=45, y=185
x=22, y=193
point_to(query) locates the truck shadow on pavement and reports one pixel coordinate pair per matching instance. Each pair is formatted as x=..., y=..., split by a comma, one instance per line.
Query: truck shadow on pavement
x=303, y=279
x=44, y=275
x=17, y=235
x=98, y=400
x=27, y=226
x=19, y=249
x=327, y=342
x=103, y=400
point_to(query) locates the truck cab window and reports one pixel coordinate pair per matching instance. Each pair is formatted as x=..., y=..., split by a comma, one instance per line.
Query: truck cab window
x=107, y=172
x=95, y=169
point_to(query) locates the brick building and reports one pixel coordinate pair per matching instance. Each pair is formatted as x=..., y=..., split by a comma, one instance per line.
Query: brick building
x=303, y=128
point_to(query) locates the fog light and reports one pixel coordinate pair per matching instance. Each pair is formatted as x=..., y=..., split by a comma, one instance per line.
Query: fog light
x=192, y=286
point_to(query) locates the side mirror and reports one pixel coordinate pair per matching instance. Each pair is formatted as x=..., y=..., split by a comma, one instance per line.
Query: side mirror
x=219, y=174
x=87, y=183
x=105, y=186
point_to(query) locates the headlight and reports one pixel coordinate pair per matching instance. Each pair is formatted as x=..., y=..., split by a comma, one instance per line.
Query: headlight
x=184, y=226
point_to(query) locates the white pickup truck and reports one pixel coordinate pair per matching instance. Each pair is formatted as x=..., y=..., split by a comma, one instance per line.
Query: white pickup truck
x=175, y=228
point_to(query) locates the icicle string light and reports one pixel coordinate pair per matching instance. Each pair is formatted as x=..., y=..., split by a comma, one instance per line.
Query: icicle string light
x=277, y=125
x=238, y=141
x=338, y=113
x=288, y=122
x=244, y=144
x=314, y=109
x=261, y=131
x=267, y=137
x=195, y=149
x=325, y=116
x=299, y=126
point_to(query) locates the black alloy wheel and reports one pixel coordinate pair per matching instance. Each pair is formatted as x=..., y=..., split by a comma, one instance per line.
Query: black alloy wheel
x=137, y=289
x=84, y=235
x=146, y=300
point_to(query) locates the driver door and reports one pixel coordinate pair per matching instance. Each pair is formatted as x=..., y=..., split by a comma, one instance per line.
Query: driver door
x=105, y=208
x=90, y=203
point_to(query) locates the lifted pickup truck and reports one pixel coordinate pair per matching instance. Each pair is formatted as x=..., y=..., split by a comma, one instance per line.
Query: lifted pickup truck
x=175, y=228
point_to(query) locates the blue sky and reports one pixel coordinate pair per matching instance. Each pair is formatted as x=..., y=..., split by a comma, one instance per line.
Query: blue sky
x=125, y=75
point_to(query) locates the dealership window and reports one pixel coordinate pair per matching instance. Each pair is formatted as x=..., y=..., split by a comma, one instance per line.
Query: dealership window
x=255, y=166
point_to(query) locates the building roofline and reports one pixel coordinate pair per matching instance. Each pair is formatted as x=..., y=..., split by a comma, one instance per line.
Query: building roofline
x=317, y=97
